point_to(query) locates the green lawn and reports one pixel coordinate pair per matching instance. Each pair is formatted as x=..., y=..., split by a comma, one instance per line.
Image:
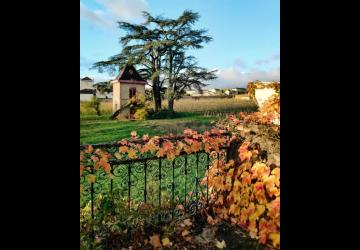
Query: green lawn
x=98, y=129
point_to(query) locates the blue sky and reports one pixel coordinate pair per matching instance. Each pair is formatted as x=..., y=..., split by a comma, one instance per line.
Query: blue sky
x=246, y=35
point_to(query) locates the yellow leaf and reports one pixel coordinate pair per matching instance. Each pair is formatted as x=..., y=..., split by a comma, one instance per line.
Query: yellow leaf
x=91, y=178
x=155, y=241
x=170, y=155
x=260, y=209
x=220, y=245
x=166, y=242
x=275, y=237
x=234, y=209
x=132, y=153
x=118, y=155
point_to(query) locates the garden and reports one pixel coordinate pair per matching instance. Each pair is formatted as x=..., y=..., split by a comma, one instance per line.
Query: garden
x=215, y=189
x=160, y=171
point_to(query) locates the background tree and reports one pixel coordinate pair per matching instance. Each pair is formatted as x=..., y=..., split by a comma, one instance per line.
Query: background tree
x=186, y=75
x=142, y=47
x=158, y=47
x=103, y=87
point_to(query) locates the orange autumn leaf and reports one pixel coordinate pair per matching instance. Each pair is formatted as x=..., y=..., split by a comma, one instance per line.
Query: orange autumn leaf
x=252, y=229
x=185, y=233
x=170, y=155
x=195, y=147
x=220, y=200
x=243, y=216
x=187, y=222
x=123, y=149
x=245, y=178
x=234, y=209
x=160, y=153
x=210, y=220
x=81, y=169
x=207, y=148
x=188, y=238
x=155, y=241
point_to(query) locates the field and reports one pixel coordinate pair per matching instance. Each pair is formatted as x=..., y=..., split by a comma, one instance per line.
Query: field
x=196, y=114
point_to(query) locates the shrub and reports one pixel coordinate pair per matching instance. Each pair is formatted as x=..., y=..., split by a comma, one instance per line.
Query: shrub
x=162, y=114
x=94, y=104
x=141, y=113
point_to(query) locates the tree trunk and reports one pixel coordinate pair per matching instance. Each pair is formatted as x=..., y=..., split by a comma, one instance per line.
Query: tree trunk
x=156, y=96
x=171, y=104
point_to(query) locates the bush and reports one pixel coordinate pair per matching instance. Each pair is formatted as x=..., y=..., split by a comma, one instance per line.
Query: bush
x=94, y=104
x=162, y=114
x=141, y=113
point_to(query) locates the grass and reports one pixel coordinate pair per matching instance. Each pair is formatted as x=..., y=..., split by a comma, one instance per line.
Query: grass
x=95, y=129
x=214, y=106
x=195, y=114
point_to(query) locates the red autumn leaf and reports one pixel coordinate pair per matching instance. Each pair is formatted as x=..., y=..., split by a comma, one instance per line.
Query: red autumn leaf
x=167, y=145
x=89, y=149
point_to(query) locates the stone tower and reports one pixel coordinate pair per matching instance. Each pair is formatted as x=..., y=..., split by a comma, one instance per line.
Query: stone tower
x=127, y=84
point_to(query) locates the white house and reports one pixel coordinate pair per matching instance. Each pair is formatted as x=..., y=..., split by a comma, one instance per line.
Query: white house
x=214, y=91
x=87, y=89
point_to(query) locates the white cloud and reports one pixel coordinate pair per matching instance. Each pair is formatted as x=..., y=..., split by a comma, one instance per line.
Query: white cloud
x=234, y=78
x=113, y=11
x=125, y=9
x=96, y=17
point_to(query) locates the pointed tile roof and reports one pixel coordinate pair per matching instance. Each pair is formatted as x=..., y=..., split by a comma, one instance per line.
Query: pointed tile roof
x=129, y=75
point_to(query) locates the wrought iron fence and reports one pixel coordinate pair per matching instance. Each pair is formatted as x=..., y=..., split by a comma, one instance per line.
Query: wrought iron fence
x=172, y=188
x=158, y=182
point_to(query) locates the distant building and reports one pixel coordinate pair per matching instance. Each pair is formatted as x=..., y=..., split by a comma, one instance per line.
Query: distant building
x=191, y=92
x=215, y=91
x=87, y=89
x=238, y=91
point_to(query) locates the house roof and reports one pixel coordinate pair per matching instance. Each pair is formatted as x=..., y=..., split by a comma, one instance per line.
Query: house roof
x=129, y=75
x=87, y=91
x=86, y=78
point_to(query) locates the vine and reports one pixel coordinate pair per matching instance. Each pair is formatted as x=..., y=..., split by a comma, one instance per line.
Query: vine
x=247, y=195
